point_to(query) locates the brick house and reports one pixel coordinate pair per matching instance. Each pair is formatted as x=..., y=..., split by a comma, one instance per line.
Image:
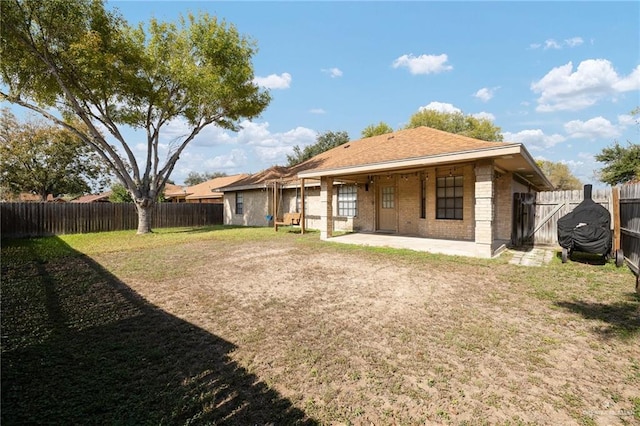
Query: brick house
x=420, y=182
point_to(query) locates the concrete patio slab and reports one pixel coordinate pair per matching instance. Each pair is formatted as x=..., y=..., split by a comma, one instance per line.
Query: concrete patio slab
x=532, y=257
x=431, y=245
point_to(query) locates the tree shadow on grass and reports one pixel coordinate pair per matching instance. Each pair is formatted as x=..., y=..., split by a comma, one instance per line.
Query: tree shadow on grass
x=80, y=347
x=622, y=318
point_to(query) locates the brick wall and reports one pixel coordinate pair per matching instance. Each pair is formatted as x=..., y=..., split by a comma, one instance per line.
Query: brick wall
x=503, y=207
x=443, y=228
x=408, y=198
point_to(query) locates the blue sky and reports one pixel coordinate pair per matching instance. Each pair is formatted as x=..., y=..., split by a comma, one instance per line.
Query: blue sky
x=560, y=77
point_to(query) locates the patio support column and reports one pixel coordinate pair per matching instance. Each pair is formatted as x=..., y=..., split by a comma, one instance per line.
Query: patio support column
x=302, y=207
x=484, y=193
x=326, y=205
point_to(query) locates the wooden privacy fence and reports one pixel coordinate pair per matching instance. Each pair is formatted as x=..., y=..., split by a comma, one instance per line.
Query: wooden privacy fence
x=630, y=225
x=535, y=215
x=41, y=219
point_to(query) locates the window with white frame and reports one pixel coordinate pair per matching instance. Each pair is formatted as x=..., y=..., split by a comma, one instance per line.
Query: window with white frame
x=239, y=203
x=347, y=200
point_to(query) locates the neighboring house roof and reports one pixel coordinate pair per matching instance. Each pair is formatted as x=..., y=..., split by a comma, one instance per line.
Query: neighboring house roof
x=171, y=190
x=418, y=147
x=287, y=176
x=208, y=188
x=94, y=198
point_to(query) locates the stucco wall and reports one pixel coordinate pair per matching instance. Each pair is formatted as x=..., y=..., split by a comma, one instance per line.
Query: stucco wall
x=257, y=205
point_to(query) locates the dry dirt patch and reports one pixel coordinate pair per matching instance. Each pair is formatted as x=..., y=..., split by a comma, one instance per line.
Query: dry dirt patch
x=352, y=336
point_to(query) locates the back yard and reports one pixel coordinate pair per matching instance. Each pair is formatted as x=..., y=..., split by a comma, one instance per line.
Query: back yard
x=246, y=326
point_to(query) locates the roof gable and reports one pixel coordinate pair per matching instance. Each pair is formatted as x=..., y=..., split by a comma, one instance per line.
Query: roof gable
x=208, y=189
x=401, y=145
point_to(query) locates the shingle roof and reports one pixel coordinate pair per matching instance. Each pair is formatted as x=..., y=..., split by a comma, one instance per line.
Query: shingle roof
x=93, y=198
x=286, y=175
x=206, y=189
x=401, y=145
x=171, y=190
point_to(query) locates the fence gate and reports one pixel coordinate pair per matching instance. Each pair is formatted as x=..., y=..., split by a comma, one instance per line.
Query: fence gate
x=524, y=211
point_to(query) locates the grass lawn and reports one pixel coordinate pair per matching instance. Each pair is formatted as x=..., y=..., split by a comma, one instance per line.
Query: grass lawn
x=245, y=326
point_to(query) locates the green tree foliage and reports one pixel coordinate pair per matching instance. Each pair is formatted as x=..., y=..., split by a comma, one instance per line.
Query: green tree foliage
x=324, y=142
x=559, y=175
x=194, y=178
x=83, y=60
x=622, y=164
x=119, y=194
x=381, y=128
x=456, y=122
x=45, y=159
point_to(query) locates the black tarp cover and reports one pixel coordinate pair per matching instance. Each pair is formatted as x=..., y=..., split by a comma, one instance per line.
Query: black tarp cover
x=587, y=228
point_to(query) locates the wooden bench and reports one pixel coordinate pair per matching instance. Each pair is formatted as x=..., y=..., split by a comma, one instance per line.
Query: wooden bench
x=289, y=219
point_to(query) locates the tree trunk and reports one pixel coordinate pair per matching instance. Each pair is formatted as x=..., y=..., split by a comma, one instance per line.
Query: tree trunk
x=144, y=208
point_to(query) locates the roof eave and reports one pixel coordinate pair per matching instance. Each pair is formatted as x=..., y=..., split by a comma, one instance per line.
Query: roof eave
x=417, y=161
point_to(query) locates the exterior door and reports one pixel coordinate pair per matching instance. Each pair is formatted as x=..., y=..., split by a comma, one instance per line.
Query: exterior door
x=387, y=208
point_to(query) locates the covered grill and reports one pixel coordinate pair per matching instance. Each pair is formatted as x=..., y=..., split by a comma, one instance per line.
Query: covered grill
x=586, y=229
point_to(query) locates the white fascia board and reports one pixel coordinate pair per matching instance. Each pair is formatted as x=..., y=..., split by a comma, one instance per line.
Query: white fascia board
x=416, y=162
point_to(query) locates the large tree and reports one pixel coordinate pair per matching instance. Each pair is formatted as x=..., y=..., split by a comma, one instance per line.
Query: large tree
x=457, y=122
x=45, y=159
x=559, y=175
x=79, y=58
x=381, y=128
x=622, y=164
x=324, y=142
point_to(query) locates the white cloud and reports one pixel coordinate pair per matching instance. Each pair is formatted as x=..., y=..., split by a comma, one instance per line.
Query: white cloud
x=274, y=81
x=551, y=44
x=554, y=44
x=594, y=79
x=317, y=111
x=257, y=148
x=587, y=156
x=574, y=41
x=534, y=139
x=440, y=107
x=235, y=159
x=423, y=64
x=270, y=147
x=594, y=128
x=630, y=82
x=484, y=115
x=333, y=72
x=485, y=94
x=272, y=155
x=626, y=120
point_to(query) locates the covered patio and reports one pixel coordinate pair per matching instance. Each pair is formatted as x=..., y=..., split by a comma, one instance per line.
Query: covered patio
x=431, y=245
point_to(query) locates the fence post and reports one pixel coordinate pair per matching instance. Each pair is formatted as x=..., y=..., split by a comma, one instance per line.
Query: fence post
x=615, y=192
